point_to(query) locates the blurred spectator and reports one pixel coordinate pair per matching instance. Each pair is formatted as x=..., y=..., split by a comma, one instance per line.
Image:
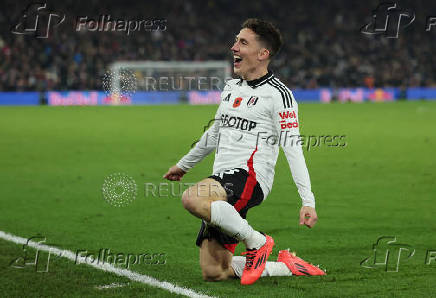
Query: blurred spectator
x=323, y=43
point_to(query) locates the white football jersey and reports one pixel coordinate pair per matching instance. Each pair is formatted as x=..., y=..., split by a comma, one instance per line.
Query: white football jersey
x=253, y=119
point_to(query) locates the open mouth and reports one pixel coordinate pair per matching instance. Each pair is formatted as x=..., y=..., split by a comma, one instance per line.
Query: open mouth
x=237, y=61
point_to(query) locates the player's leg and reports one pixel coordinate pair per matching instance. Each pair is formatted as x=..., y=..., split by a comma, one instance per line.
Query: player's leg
x=215, y=261
x=198, y=198
x=218, y=263
x=271, y=268
x=208, y=200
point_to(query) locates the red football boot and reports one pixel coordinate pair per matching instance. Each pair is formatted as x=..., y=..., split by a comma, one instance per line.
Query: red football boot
x=255, y=261
x=297, y=265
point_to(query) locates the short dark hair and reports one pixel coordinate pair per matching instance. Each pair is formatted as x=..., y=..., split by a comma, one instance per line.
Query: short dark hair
x=267, y=33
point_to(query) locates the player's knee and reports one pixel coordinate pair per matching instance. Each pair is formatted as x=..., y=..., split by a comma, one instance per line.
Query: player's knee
x=213, y=273
x=188, y=201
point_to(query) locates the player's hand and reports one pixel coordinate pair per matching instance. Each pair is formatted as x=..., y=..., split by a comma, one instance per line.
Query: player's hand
x=308, y=216
x=174, y=174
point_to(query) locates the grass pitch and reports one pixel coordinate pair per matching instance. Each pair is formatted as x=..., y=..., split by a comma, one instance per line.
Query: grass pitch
x=54, y=161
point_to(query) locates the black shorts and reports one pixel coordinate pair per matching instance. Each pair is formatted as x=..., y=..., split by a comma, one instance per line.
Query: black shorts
x=243, y=192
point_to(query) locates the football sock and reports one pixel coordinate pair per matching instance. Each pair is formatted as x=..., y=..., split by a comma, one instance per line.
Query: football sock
x=271, y=268
x=224, y=216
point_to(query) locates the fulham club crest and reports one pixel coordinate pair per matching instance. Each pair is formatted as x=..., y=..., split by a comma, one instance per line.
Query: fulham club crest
x=252, y=101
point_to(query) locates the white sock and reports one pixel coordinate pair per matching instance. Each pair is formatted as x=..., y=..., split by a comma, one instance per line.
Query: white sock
x=271, y=268
x=225, y=216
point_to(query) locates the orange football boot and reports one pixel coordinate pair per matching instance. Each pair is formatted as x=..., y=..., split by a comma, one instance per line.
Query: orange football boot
x=297, y=265
x=255, y=261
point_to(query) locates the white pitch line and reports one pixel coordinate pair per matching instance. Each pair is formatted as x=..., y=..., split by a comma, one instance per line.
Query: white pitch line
x=111, y=286
x=142, y=278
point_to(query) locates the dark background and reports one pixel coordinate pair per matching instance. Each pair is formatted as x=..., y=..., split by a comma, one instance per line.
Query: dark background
x=323, y=43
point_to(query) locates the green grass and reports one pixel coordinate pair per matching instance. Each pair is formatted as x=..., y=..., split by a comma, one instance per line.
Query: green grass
x=54, y=161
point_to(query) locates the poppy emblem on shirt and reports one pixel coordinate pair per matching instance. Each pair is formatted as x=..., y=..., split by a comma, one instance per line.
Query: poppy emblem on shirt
x=237, y=102
x=252, y=101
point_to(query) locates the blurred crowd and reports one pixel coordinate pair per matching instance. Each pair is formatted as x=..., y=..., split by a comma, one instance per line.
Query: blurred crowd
x=323, y=45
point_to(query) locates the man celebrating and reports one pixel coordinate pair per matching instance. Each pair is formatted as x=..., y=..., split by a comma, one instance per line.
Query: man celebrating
x=256, y=114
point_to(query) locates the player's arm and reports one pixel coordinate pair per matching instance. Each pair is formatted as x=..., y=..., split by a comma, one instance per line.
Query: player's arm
x=202, y=148
x=285, y=116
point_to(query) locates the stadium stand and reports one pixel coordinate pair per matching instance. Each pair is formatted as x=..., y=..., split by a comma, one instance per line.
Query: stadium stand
x=323, y=43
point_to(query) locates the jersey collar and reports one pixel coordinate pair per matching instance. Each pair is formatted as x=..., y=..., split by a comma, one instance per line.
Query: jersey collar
x=260, y=81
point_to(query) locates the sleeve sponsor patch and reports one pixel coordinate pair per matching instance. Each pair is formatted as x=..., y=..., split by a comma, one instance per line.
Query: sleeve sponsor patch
x=288, y=119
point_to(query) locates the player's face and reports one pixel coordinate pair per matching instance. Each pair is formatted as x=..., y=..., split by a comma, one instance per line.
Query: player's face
x=246, y=53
